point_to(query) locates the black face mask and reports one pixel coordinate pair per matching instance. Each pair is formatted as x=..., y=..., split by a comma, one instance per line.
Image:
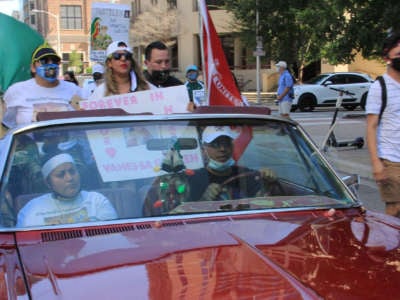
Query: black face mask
x=159, y=76
x=97, y=76
x=395, y=63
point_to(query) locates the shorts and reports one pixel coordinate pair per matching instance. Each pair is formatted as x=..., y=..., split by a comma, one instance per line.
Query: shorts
x=390, y=188
x=284, y=107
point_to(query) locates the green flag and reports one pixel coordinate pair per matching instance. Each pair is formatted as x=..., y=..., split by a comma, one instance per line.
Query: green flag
x=18, y=41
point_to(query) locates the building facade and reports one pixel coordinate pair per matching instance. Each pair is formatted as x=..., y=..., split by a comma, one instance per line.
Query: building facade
x=66, y=26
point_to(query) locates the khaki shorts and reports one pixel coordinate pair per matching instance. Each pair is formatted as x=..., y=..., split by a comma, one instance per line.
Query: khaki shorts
x=284, y=107
x=390, y=188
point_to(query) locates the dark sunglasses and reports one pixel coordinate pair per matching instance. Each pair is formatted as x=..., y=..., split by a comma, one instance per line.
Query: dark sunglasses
x=118, y=55
x=48, y=60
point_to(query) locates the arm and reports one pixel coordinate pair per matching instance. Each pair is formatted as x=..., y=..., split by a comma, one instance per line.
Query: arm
x=377, y=165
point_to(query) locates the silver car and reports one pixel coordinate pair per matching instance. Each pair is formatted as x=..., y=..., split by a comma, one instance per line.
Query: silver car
x=320, y=91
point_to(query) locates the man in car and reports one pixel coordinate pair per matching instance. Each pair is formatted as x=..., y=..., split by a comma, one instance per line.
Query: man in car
x=222, y=179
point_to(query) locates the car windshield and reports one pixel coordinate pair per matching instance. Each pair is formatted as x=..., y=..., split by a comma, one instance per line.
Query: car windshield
x=107, y=171
x=317, y=79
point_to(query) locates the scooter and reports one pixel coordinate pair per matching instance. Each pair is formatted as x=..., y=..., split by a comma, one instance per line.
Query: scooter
x=330, y=139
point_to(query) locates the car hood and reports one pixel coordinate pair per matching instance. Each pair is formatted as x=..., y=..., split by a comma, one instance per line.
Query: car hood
x=287, y=256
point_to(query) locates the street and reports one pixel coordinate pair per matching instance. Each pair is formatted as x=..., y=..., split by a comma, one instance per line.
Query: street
x=351, y=124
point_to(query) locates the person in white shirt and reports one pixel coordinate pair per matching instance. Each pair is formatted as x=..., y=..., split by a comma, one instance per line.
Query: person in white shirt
x=66, y=203
x=43, y=92
x=122, y=74
x=98, y=78
x=383, y=130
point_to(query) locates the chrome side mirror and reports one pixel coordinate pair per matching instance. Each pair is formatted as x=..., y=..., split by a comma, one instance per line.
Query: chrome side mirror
x=353, y=183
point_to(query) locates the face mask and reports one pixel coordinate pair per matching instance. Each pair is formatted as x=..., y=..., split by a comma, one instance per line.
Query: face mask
x=48, y=72
x=97, y=76
x=220, y=166
x=396, y=63
x=278, y=69
x=160, y=76
x=192, y=76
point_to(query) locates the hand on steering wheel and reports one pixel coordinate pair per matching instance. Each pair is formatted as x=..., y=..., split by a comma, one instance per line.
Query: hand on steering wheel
x=212, y=192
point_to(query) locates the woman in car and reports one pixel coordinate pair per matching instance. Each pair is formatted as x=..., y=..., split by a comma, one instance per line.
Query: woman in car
x=66, y=203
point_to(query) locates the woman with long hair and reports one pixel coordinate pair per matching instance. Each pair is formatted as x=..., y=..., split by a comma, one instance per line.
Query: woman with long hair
x=122, y=74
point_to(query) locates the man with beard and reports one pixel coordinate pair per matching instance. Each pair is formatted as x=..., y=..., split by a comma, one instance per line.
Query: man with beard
x=158, y=65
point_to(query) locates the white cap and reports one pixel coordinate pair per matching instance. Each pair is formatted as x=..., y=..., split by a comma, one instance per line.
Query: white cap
x=282, y=64
x=213, y=132
x=98, y=68
x=113, y=47
x=54, y=162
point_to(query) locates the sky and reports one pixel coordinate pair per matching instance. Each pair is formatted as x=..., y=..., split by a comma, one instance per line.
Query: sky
x=8, y=6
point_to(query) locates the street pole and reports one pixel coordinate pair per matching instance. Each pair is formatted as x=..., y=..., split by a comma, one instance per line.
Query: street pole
x=259, y=52
x=58, y=26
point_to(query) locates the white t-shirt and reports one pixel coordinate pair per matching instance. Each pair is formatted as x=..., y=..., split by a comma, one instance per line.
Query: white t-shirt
x=46, y=210
x=26, y=98
x=388, y=134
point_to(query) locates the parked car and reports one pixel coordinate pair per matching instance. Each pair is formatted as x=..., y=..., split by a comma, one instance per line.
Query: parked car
x=317, y=93
x=302, y=234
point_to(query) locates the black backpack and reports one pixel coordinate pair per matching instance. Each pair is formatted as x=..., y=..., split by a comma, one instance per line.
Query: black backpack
x=384, y=96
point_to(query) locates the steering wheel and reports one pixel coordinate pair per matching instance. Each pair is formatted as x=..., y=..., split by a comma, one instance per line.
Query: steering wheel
x=274, y=186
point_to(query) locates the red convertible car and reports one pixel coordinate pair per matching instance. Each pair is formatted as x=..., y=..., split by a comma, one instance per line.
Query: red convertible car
x=233, y=204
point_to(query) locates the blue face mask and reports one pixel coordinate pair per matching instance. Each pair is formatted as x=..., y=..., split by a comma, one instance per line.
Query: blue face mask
x=192, y=76
x=48, y=72
x=220, y=166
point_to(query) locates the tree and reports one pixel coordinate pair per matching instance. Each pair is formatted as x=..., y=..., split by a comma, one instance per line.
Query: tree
x=303, y=31
x=155, y=24
x=75, y=61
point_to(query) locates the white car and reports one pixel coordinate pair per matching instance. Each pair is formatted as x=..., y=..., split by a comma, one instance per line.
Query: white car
x=318, y=91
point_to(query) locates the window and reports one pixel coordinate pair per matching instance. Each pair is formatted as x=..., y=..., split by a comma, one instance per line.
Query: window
x=215, y=4
x=71, y=17
x=356, y=79
x=227, y=46
x=171, y=4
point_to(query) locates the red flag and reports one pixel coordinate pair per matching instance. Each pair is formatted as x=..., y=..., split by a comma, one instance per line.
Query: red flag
x=221, y=87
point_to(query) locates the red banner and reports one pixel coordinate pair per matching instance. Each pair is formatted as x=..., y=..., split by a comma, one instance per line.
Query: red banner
x=221, y=87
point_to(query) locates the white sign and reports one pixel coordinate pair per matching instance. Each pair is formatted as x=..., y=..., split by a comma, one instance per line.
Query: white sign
x=110, y=22
x=157, y=101
x=121, y=153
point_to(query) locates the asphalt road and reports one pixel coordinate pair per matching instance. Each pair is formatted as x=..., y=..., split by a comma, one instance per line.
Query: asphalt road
x=344, y=160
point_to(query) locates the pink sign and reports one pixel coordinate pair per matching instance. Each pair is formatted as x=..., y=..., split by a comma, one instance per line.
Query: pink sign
x=157, y=101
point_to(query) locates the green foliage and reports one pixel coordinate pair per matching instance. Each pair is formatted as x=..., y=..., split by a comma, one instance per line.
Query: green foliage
x=75, y=60
x=303, y=31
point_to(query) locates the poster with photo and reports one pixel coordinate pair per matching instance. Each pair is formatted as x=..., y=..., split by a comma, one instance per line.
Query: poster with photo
x=124, y=153
x=110, y=22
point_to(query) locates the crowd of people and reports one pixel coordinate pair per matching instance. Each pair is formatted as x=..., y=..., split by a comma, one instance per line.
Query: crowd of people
x=120, y=73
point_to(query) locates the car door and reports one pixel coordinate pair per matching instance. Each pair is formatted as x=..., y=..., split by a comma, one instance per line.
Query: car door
x=358, y=85
x=336, y=81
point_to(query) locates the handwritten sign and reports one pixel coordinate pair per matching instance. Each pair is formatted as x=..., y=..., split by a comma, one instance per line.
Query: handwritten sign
x=157, y=101
x=121, y=153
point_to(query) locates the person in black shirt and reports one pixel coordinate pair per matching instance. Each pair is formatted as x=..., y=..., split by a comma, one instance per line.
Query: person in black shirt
x=158, y=65
x=222, y=179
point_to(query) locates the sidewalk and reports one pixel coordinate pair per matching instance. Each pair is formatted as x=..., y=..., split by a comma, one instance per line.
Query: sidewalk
x=344, y=160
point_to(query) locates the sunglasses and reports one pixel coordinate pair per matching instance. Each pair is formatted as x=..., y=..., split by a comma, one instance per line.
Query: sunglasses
x=119, y=55
x=48, y=60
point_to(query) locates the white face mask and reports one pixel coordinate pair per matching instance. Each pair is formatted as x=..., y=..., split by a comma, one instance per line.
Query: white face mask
x=220, y=166
x=278, y=69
